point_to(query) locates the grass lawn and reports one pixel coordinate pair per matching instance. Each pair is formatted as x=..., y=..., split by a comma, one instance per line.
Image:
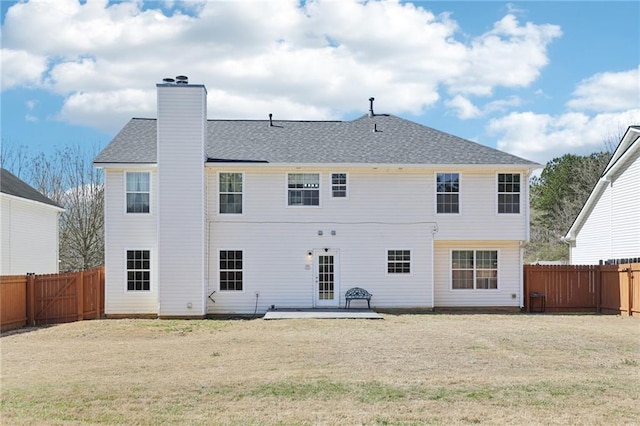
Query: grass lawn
x=403, y=370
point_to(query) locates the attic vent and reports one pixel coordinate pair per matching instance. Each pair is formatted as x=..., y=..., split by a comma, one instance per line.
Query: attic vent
x=182, y=79
x=371, y=113
x=270, y=120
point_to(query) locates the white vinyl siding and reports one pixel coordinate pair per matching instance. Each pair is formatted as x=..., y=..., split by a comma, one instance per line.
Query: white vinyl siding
x=29, y=240
x=128, y=232
x=612, y=229
x=509, y=274
x=181, y=125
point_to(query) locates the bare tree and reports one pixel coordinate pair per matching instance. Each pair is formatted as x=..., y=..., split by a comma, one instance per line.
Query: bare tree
x=69, y=179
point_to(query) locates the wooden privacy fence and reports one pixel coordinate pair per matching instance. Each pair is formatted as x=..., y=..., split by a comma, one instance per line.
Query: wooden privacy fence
x=613, y=289
x=51, y=299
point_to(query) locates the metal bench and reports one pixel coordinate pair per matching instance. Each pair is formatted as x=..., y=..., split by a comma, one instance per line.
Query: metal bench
x=357, y=293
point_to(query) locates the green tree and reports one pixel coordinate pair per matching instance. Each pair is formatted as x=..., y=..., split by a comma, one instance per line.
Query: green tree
x=556, y=199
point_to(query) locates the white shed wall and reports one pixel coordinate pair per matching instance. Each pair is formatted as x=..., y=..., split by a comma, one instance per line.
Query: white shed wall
x=29, y=237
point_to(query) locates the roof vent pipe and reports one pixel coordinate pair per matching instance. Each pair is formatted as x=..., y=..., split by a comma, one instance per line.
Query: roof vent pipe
x=371, y=113
x=270, y=120
x=168, y=80
x=182, y=79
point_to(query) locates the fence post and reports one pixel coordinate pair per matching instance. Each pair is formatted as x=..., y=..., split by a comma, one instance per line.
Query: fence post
x=31, y=300
x=80, y=294
x=598, y=283
x=630, y=289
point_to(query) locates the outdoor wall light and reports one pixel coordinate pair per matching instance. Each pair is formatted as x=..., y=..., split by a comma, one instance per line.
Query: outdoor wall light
x=309, y=253
x=320, y=232
x=333, y=232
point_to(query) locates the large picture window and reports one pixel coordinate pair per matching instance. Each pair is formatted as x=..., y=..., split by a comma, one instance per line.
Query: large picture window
x=138, y=189
x=303, y=189
x=138, y=270
x=399, y=261
x=230, y=270
x=474, y=269
x=508, y=193
x=448, y=193
x=230, y=187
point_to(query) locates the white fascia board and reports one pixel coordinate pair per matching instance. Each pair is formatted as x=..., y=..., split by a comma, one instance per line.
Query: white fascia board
x=125, y=165
x=525, y=167
x=601, y=185
x=32, y=202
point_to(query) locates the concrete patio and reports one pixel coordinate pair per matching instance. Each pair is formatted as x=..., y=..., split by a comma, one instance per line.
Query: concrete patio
x=322, y=314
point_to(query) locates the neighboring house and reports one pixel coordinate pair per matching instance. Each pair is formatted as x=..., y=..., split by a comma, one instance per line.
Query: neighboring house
x=232, y=216
x=608, y=226
x=29, y=228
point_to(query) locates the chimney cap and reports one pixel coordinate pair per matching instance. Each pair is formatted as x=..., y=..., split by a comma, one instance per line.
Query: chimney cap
x=168, y=80
x=182, y=79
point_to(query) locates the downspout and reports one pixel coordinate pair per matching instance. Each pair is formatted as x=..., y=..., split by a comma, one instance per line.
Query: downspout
x=434, y=231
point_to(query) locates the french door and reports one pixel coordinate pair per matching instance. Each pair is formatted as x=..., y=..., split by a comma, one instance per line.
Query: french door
x=326, y=278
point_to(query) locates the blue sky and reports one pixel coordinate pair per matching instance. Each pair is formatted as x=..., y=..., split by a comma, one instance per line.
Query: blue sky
x=536, y=79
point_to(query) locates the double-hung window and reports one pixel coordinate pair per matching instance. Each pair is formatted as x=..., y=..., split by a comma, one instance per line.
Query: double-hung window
x=138, y=190
x=231, y=270
x=508, y=193
x=474, y=269
x=230, y=186
x=448, y=193
x=399, y=261
x=303, y=189
x=138, y=270
x=339, y=185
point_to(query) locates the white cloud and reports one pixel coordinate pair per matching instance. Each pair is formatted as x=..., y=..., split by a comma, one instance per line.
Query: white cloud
x=541, y=137
x=20, y=68
x=322, y=57
x=463, y=107
x=609, y=91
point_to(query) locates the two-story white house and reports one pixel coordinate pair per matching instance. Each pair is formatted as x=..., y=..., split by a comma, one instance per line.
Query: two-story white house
x=608, y=226
x=229, y=216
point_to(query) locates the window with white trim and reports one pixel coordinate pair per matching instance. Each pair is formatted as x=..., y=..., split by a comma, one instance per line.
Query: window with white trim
x=448, y=193
x=399, y=261
x=230, y=196
x=474, y=269
x=231, y=270
x=138, y=190
x=303, y=189
x=508, y=193
x=138, y=270
x=339, y=185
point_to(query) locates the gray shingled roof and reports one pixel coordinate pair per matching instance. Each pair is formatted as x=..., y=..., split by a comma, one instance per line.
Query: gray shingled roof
x=12, y=185
x=394, y=141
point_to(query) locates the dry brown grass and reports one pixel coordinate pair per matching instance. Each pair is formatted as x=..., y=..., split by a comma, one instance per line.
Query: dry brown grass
x=405, y=369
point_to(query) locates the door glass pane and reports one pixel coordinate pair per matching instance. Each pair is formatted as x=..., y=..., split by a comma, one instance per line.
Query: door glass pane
x=325, y=278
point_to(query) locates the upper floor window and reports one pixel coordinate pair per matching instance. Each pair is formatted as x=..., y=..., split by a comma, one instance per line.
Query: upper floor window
x=448, y=193
x=398, y=261
x=138, y=190
x=474, y=269
x=339, y=185
x=230, y=185
x=138, y=270
x=508, y=193
x=303, y=189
